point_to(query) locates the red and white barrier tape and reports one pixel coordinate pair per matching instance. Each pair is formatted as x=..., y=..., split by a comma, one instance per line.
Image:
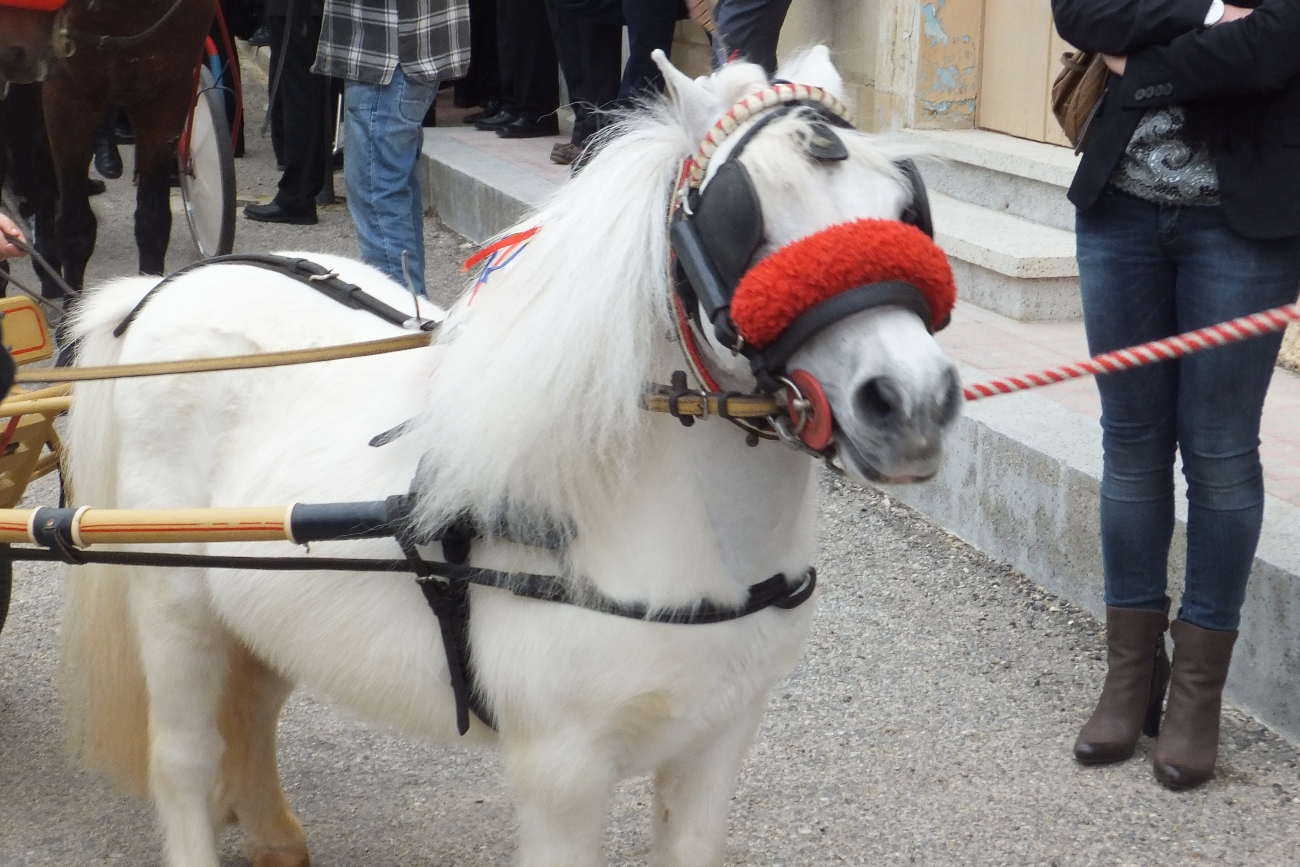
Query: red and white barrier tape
x=1243, y=328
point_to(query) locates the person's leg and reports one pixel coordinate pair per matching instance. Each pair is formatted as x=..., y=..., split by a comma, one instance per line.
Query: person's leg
x=1221, y=275
x=1127, y=284
x=384, y=135
x=107, y=158
x=1221, y=396
x=529, y=69
x=750, y=29
x=650, y=25
x=275, y=32
x=590, y=53
x=303, y=96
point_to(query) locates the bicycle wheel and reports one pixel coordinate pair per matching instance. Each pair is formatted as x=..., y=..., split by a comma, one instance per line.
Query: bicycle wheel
x=208, y=173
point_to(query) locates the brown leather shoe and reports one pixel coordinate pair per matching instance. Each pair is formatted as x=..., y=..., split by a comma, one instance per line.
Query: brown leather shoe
x=564, y=153
x=1137, y=671
x=1188, y=745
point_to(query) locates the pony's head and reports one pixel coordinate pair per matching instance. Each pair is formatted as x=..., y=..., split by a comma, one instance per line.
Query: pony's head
x=805, y=264
x=32, y=37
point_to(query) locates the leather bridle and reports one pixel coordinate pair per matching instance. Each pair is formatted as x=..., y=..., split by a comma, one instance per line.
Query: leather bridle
x=716, y=229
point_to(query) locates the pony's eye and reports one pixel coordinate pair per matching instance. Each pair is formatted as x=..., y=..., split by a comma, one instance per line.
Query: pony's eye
x=824, y=145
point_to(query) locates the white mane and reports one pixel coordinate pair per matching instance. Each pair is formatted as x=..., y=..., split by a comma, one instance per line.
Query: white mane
x=565, y=347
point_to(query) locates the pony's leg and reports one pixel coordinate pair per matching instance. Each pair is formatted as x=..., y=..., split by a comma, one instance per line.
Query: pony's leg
x=158, y=125
x=693, y=795
x=71, y=117
x=561, y=786
x=184, y=651
x=250, y=711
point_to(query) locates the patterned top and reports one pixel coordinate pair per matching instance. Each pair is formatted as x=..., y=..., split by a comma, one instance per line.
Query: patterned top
x=1164, y=166
x=365, y=40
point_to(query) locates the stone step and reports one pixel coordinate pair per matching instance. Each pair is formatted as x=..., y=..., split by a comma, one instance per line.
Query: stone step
x=1023, y=178
x=1015, y=267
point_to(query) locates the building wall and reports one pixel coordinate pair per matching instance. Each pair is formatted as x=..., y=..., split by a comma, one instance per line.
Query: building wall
x=906, y=63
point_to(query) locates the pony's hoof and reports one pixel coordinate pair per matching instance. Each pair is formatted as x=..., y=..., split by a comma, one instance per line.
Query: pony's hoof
x=282, y=858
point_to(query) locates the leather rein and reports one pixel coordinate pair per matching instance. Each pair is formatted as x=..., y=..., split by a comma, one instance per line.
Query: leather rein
x=104, y=42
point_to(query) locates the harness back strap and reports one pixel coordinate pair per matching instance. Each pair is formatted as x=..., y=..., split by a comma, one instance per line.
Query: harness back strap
x=305, y=271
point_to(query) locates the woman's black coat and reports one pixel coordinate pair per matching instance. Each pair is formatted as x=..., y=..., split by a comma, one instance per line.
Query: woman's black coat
x=1240, y=84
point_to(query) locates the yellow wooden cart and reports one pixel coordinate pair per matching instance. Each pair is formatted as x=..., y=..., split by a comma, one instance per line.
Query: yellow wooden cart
x=29, y=445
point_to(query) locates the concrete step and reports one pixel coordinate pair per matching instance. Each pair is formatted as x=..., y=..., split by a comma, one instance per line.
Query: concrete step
x=1023, y=178
x=1010, y=265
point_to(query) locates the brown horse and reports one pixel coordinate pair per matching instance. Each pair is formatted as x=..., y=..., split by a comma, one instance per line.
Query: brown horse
x=137, y=54
x=153, y=80
x=30, y=39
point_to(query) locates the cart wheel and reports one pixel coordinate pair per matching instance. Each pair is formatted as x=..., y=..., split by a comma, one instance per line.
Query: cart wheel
x=208, y=173
x=6, y=587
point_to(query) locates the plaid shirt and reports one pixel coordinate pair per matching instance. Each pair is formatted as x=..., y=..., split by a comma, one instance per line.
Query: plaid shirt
x=365, y=40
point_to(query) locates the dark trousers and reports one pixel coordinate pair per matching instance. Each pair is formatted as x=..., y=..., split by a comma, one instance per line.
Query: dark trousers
x=1149, y=271
x=750, y=29
x=650, y=25
x=530, y=78
x=591, y=56
x=299, y=114
x=482, y=81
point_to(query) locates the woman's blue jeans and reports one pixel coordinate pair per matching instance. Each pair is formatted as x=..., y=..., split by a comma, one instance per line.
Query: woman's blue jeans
x=1149, y=271
x=382, y=136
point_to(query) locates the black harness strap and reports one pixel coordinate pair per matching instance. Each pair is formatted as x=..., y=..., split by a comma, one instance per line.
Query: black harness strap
x=445, y=585
x=304, y=271
x=884, y=293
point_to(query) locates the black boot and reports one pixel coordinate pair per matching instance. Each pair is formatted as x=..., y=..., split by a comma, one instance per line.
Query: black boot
x=108, y=160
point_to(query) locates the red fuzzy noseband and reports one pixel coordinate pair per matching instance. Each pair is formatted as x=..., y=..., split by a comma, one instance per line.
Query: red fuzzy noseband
x=801, y=275
x=34, y=5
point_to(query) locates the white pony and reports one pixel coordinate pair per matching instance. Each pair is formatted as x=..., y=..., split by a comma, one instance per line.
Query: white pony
x=528, y=409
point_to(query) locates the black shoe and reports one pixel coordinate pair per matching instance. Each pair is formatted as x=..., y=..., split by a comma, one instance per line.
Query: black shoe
x=522, y=127
x=94, y=186
x=108, y=160
x=274, y=212
x=491, y=107
x=495, y=121
x=122, y=130
x=261, y=37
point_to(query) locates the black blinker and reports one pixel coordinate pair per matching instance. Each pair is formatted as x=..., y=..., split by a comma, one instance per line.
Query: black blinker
x=824, y=145
x=917, y=211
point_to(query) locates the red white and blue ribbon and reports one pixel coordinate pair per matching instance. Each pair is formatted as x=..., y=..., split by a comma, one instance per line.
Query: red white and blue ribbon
x=495, y=257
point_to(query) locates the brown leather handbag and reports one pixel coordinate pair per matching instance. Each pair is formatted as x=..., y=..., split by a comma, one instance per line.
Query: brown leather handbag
x=1077, y=92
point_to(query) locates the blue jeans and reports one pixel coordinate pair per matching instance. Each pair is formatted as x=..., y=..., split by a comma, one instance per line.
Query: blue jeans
x=1149, y=271
x=383, y=134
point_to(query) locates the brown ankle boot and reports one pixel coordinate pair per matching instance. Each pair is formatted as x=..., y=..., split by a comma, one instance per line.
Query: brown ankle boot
x=1137, y=670
x=1189, y=742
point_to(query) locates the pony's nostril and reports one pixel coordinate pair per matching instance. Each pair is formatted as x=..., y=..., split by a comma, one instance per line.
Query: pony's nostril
x=950, y=402
x=878, y=401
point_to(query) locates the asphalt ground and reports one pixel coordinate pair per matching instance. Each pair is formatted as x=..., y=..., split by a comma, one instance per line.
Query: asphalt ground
x=929, y=723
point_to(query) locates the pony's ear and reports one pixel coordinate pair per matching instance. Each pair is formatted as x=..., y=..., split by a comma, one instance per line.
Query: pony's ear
x=694, y=102
x=813, y=67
